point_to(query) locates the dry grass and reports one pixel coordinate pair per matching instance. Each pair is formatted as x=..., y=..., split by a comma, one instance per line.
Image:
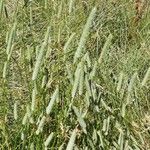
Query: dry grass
x=140, y=6
x=11, y=6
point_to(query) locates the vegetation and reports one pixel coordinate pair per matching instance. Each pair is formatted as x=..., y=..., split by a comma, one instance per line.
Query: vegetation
x=75, y=74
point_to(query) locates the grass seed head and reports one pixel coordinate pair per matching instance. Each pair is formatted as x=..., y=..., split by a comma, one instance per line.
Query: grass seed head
x=71, y=142
x=146, y=77
x=84, y=35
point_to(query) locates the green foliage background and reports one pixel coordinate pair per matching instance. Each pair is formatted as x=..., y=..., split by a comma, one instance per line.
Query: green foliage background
x=111, y=111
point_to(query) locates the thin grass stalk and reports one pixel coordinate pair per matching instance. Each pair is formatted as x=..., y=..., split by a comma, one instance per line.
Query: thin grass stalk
x=9, y=55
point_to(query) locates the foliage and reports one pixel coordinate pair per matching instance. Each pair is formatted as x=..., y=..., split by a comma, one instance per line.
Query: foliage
x=74, y=75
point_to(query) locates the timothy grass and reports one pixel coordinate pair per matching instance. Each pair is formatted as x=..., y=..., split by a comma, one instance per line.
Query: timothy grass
x=74, y=75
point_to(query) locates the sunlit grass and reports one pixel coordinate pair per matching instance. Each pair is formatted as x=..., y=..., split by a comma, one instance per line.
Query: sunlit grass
x=74, y=75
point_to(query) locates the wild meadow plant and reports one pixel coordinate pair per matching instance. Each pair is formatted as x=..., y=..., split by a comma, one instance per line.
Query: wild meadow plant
x=74, y=75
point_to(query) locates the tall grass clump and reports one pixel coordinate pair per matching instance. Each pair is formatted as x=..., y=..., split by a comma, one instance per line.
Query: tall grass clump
x=74, y=75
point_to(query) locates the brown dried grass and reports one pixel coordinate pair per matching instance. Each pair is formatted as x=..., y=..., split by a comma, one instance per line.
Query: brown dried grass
x=12, y=5
x=139, y=10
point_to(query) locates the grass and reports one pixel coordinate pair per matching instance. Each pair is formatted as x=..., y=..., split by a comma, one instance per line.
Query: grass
x=74, y=75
